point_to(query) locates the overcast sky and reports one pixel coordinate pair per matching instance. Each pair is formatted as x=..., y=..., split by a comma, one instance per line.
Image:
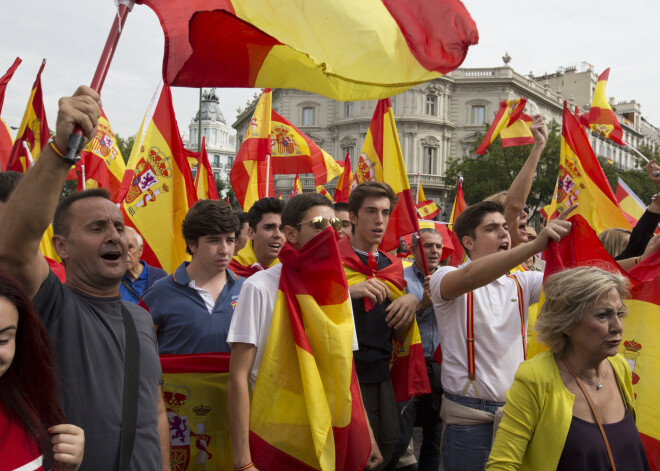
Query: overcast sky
x=539, y=36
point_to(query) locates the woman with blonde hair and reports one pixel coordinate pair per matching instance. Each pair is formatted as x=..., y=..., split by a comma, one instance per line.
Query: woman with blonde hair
x=614, y=240
x=573, y=407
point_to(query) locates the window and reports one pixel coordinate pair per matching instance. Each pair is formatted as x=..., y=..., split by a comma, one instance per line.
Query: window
x=478, y=114
x=308, y=118
x=350, y=150
x=393, y=100
x=193, y=137
x=214, y=136
x=231, y=161
x=431, y=102
x=216, y=160
x=348, y=109
x=428, y=164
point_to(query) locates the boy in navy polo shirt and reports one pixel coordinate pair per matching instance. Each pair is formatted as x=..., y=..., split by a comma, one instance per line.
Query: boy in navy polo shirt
x=192, y=308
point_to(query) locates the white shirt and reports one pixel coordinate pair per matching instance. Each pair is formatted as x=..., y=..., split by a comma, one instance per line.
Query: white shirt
x=498, y=341
x=253, y=315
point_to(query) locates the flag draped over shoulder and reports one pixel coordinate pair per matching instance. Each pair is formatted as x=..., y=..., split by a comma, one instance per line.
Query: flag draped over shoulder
x=458, y=255
x=631, y=205
x=204, y=180
x=343, y=189
x=157, y=189
x=6, y=141
x=510, y=111
x=581, y=180
x=518, y=132
x=601, y=118
x=102, y=160
x=407, y=366
x=641, y=327
x=33, y=134
x=382, y=156
x=195, y=395
x=245, y=262
x=306, y=411
x=337, y=48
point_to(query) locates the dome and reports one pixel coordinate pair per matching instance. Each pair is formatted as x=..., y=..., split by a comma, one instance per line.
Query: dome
x=211, y=107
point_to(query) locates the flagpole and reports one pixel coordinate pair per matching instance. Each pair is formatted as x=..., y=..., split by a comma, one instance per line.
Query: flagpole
x=125, y=6
x=84, y=180
x=268, y=174
x=636, y=151
x=419, y=181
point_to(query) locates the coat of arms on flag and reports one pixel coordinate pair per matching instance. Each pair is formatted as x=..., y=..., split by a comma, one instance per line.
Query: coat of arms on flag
x=146, y=185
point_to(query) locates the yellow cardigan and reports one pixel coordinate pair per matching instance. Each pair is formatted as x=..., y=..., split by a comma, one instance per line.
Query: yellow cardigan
x=538, y=414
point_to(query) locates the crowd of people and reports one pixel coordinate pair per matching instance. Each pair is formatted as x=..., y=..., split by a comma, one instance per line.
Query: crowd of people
x=80, y=376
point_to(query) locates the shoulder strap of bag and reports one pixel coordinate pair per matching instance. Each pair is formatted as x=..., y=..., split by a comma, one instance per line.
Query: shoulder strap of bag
x=594, y=412
x=129, y=406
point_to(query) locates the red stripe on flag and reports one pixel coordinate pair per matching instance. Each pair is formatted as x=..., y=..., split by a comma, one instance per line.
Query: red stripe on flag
x=405, y=378
x=196, y=363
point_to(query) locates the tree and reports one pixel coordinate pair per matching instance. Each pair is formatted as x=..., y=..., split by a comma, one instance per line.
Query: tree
x=125, y=146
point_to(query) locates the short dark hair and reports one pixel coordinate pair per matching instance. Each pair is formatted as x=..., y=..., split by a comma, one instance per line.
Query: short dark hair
x=8, y=183
x=341, y=207
x=467, y=222
x=242, y=217
x=424, y=230
x=370, y=190
x=297, y=206
x=61, y=216
x=261, y=207
x=209, y=217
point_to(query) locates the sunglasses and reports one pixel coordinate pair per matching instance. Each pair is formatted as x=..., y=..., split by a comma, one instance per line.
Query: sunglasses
x=319, y=223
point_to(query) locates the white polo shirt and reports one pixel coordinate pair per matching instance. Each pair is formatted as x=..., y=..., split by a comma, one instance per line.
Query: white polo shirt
x=498, y=340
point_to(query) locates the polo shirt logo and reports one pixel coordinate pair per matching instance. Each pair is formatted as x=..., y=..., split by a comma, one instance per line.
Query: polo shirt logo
x=233, y=304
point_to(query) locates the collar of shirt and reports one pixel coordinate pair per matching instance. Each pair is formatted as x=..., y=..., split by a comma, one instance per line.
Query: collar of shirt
x=181, y=277
x=143, y=276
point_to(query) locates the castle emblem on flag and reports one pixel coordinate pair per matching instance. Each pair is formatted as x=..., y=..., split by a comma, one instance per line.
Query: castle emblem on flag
x=631, y=353
x=283, y=142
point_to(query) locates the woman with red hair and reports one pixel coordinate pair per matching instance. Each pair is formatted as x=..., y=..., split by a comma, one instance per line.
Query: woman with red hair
x=32, y=427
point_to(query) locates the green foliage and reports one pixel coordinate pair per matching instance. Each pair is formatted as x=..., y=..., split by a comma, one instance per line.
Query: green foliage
x=638, y=180
x=69, y=188
x=125, y=146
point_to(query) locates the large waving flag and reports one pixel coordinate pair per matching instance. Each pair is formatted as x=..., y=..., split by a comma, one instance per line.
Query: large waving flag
x=631, y=205
x=381, y=152
x=158, y=188
x=426, y=209
x=518, y=133
x=101, y=161
x=601, y=117
x=509, y=113
x=306, y=411
x=458, y=255
x=195, y=395
x=33, y=135
x=338, y=48
x=205, y=187
x=581, y=180
x=272, y=145
x=641, y=328
x=6, y=141
x=343, y=189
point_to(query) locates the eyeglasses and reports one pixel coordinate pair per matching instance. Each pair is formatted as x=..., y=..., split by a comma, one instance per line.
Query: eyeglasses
x=319, y=223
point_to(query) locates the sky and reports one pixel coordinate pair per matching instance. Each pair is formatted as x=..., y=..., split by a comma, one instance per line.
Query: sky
x=539, y=37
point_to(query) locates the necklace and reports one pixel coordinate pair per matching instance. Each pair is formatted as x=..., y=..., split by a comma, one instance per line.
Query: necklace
x=598, y=384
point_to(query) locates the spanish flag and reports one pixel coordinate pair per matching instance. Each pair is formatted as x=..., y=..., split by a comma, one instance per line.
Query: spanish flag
x=631, y=205
x=195, y=395
x=102, y=161
x=641, y=327
x=337, y=48
x=158, y=188
x=518, y=132
x=601, y=117
x=320, y=189
x=6, y=141
x=381, y=156
x=425, y=209
x=33, y=135
x=205, y=187
x=510, y=111
x=458, y=256
x=581, y=180
x=343, y=190
x=297, y=186
x=306, y=411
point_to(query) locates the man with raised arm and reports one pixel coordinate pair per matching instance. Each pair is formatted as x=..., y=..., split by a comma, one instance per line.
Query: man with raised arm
x=91, y=328
x=481, y=312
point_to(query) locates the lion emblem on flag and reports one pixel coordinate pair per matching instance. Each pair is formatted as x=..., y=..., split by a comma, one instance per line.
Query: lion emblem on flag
x=149, y=172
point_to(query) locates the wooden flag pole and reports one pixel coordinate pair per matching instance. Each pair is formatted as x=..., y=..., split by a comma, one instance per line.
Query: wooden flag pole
x=125, y=6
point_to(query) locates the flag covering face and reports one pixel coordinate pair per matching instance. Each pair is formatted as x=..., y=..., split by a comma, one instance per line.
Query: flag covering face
x=631, y=205
x=382, y=159
x=337, y=48
x=103, y=163
x=510, y=111
x=518, y=132
x=195, y=395
x=158, y=188
x=458, y=256
x=343, y=190
x=6, y=141
x=601, y=117
x=641, y=327
x=581, y=180
x=33, y=134
x=306, y=411
x=204, y=180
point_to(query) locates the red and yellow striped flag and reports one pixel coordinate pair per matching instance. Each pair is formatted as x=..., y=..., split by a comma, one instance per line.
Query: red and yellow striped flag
x=426, y=209
x=297, y=186
x=458, y=256
x=382, y=156
x=33, y=135
x=518, y=132
x=320, y=189
x=581, y=180
x=6, y=141
x=631, y=205
x=306, y=411
x=510, y=111
x=195, y=395
x=343, y=189
x=158, y=188
x=337, y=48
x=205, y=187
x=103, y=163
x=601, y=117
